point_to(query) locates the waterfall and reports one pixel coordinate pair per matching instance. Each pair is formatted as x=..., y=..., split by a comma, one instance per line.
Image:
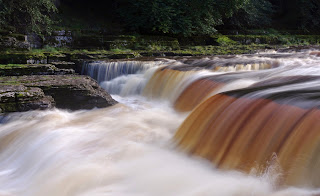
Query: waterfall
x=123, y=77
x=187, y=126
x=105, y=71
x=163, y=79
x=243, y=129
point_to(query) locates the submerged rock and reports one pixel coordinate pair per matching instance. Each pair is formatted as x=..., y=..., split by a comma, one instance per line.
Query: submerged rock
x=22, y=93
x=315, y=53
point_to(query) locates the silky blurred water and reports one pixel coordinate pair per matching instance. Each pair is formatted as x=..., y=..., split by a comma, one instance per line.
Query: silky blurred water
x=127, y=149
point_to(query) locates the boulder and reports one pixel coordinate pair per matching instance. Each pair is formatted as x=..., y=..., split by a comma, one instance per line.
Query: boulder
x=13, y=41
x=18, y=98
x=72, y=92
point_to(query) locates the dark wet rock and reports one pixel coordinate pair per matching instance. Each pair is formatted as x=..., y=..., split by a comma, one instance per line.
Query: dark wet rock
x=35, y=40
x=315, y=53
x=18, y=98
x=121, y=56
x=298, y=48
x=68, y=91
x=64, y=72
x=13, y=41
x=64, y=65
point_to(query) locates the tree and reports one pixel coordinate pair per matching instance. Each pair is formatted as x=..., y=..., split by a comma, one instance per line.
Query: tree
x=182, y=17
x=309, y=14
x=253, y=14
x=297, y=14
x=27, y=15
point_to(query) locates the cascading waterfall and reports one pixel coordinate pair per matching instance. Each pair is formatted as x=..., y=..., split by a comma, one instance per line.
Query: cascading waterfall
x=276, y=118
x=106, y=71
x=253, y=118
x=243, y=129
x=123, y=77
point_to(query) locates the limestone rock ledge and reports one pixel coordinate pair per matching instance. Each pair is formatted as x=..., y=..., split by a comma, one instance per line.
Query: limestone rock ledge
x=21, y=98
x=74, y=92
x=32, y=69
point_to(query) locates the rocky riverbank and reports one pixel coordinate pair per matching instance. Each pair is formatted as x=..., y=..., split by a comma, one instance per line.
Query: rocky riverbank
x=29, y=87
x=43, y=78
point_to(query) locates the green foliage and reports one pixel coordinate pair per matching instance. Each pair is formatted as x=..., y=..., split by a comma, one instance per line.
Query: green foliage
x=180, y=17
x=10, y=66
x=27, y=15
x=253, y=14
x=309, y=14
x=50, y=49
x=119, y=50
x=223, y=40
x=2, y=14
x=297, y=14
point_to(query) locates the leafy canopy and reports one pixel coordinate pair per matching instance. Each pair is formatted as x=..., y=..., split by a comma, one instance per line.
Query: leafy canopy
x=253, y=14
x=182, y=17
x=309, y=14
x=27, y=15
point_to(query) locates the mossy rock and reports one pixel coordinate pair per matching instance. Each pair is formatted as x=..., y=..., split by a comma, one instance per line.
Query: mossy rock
x=8, y=107
x=121, y=44
x=36, y=92
x=193, y=40
x=122, y=56
x=64, y=65
x=20, y=58
x=256, y=39
x=18, y=98
x=32, y=69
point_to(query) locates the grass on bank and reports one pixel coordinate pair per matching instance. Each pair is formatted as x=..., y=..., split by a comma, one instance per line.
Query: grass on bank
x=218, y=45
x=10, y=66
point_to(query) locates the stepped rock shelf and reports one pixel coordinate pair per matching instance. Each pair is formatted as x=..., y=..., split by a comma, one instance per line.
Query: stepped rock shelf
x=29, y=87
x=32, y=69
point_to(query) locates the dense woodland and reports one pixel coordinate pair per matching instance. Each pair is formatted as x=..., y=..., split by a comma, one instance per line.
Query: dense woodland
x=172, y=17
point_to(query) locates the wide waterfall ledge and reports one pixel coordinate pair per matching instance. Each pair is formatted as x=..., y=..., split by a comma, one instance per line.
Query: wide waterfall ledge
x=223, y=125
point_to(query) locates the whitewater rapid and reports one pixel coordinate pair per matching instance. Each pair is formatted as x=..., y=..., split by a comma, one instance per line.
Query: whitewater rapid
x=123, y=150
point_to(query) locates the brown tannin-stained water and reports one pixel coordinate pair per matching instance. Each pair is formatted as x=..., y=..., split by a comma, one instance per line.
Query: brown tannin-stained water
x=229, y=125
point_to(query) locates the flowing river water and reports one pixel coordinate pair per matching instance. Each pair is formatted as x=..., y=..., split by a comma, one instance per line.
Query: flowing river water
x=226, y=125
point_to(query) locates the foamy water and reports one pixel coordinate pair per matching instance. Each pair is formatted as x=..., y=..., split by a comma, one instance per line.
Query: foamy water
x=121, y=150
x=124, y=150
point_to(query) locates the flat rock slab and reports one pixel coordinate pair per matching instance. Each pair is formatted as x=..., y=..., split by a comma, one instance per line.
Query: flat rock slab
x=64, y=65
x=67, y=92
x=32, y=69
x=16, y=97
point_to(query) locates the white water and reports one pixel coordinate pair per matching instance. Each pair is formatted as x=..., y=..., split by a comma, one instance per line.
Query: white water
x=124, y=150
x=105, y=71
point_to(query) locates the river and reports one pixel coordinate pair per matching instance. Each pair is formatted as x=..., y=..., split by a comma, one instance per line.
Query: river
x=155, y=141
